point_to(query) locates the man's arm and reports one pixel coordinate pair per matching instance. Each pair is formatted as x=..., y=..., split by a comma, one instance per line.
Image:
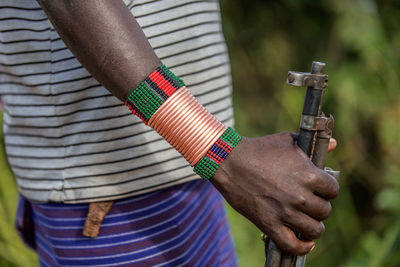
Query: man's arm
x=106, y=39
x=269, y=180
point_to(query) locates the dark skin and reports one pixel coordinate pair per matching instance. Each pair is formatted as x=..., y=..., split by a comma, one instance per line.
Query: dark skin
x=269, y=180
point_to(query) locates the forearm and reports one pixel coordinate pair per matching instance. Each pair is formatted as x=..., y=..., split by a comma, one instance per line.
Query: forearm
x=105, y=37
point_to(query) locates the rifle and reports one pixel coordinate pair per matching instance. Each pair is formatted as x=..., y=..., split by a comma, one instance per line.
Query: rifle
x=314, y=134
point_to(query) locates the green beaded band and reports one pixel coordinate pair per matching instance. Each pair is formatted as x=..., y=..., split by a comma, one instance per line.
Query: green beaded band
x=153, y=92
x=218, y=152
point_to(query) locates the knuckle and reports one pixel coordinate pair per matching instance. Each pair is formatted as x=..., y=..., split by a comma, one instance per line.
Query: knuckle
x=287, y=212
x=312, y=178
x=300, y=201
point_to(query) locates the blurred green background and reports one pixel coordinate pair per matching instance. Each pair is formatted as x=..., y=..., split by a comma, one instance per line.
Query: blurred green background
x=360, y=42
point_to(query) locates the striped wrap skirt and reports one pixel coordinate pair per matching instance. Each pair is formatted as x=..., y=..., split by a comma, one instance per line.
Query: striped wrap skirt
x=184, y=225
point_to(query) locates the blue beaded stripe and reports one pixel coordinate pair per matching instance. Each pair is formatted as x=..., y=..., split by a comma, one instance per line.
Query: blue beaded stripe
x=218, y=152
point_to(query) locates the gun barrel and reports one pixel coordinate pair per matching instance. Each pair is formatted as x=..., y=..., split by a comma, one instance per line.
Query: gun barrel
x=314, y=133
x=312, y=107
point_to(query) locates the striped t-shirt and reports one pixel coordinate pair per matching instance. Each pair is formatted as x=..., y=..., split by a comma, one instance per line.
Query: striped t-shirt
x=67, y=138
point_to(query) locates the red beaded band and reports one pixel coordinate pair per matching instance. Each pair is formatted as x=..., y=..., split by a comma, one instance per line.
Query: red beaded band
x=152, y=93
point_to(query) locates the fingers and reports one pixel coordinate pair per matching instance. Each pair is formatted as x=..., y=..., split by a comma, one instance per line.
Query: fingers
x=305, y=225
x=332, y=144
x=324, y=185
x=314, y=206
x=286, y=240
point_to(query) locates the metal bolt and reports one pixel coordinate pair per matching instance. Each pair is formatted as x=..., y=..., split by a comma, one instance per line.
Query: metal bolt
x=318, y=67
x=329, y=125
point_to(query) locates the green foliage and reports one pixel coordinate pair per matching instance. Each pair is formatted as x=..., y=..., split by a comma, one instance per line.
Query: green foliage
x=360, y=42
x=12, y=251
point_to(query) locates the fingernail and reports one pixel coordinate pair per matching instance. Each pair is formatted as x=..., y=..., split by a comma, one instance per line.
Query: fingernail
x=312, y=247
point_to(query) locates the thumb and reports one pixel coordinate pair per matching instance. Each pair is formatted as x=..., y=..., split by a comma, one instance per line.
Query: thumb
x=287, y=241
x=332, y=144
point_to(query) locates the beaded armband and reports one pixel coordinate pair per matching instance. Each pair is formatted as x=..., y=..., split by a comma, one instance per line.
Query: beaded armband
x=153, y=92
x=182, y=121
x=217, y=153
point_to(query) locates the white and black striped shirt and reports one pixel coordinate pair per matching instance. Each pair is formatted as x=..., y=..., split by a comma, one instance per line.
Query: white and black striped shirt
x=67, y=138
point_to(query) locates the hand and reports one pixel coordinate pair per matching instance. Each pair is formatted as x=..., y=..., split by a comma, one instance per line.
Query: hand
x=273, y=183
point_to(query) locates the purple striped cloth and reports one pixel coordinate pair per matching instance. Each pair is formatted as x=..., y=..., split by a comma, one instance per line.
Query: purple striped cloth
x=184, y=225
